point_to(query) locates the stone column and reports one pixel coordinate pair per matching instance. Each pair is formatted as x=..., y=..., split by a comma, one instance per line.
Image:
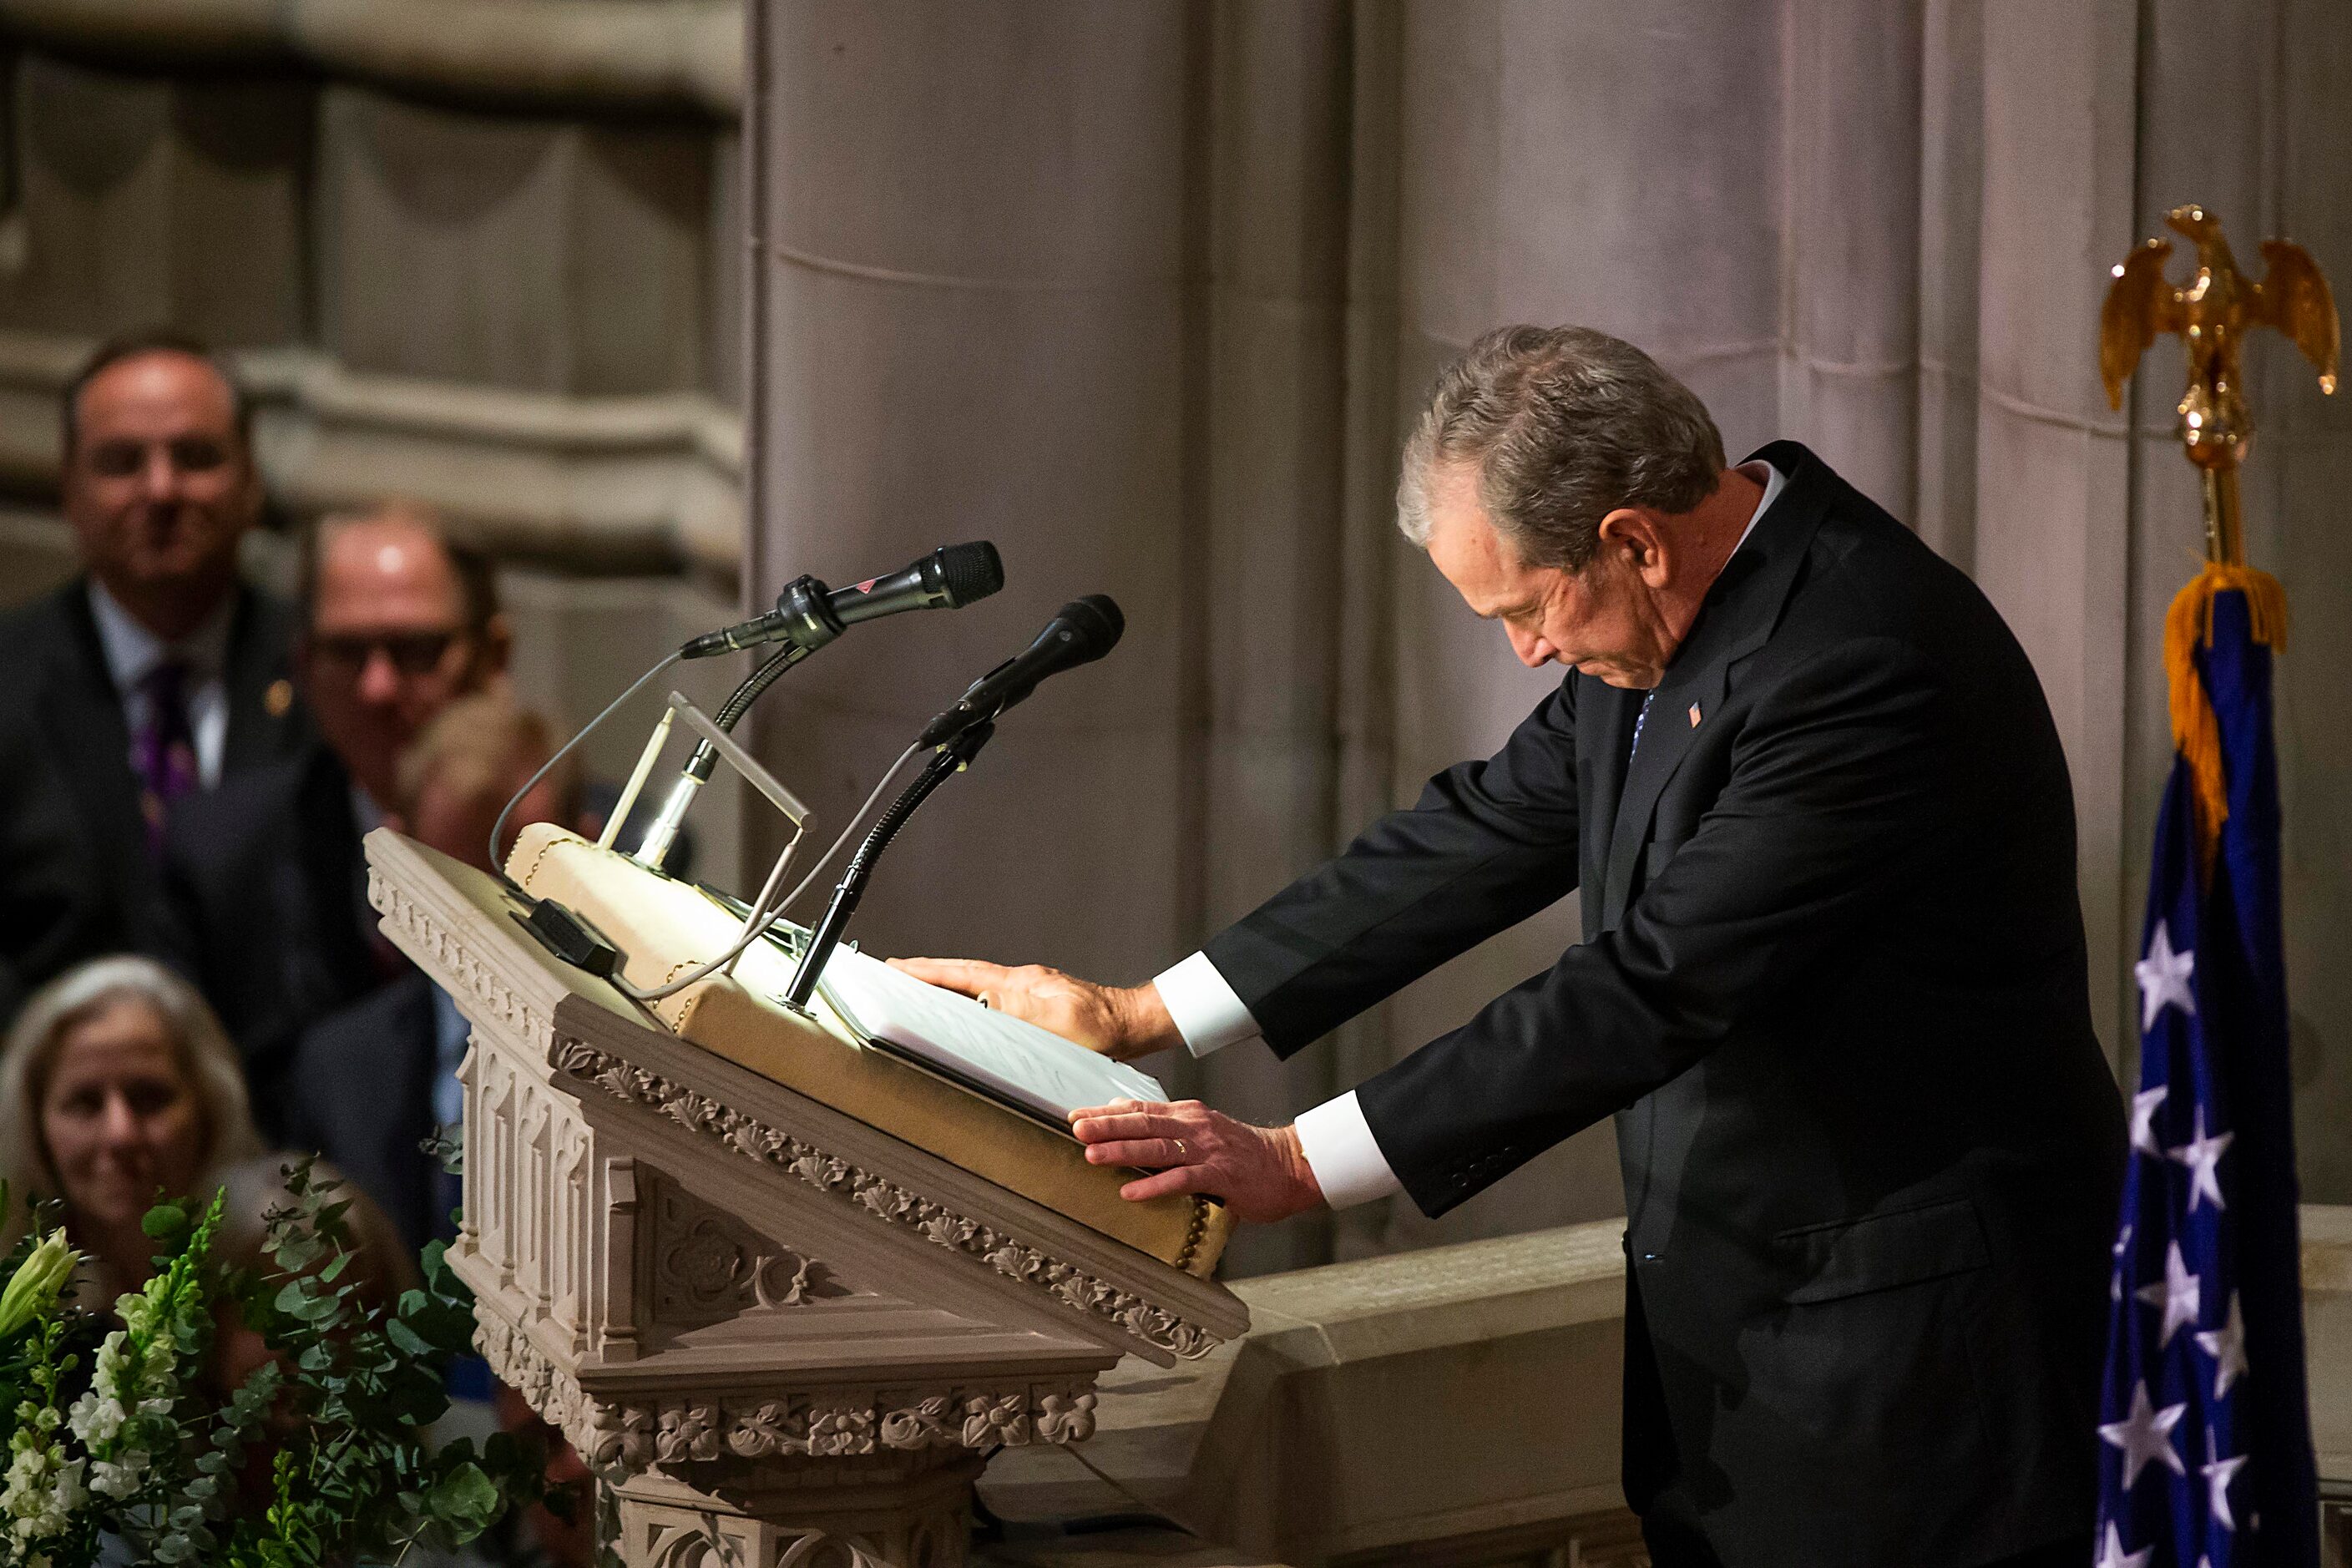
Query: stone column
x=1849, y=382
x=1951, y=185
x=974, y=246
x=2052, y=535
x=885, y=1510
x=1277, y=178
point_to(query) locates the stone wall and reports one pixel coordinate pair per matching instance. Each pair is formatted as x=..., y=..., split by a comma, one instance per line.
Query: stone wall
x=484, y=256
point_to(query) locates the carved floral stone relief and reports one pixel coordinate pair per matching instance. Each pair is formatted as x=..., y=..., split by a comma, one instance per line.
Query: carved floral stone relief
x=702, y=1424
x=883, y=1198
x=708, y=1266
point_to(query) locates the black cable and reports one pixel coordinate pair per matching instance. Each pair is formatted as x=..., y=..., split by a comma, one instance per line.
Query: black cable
x=946, y=762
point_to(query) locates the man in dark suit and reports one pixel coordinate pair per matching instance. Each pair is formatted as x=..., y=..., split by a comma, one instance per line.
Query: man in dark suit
x=151, y=678
x=265, y=883
x=1832, y=985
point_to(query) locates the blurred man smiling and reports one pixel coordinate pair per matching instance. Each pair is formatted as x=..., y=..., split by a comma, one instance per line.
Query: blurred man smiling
x=265, y=882
x=401, y=623
x=148, y=680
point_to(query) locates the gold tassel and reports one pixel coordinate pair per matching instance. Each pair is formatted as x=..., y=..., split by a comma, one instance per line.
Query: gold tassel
x=2187, y=627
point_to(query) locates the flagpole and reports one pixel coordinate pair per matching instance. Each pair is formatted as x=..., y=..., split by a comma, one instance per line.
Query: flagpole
x=2224, y=540
x=2207, y=1459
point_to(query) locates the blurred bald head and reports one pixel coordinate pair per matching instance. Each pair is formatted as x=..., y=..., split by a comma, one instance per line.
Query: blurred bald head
x=399, y=623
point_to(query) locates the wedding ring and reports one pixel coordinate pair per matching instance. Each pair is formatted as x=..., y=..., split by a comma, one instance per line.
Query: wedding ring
x=1182, y=1153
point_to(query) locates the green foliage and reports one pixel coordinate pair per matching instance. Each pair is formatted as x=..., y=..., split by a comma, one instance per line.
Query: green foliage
x=357, y=1479
x=147, y=1450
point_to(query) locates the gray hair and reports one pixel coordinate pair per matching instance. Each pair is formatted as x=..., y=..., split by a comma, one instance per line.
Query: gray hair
x=1565, y=425
x=211, y=1063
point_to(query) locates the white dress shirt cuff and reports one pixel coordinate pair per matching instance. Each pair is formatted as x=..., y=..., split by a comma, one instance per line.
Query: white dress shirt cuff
x=1344, y=1155
x=1204, y=1008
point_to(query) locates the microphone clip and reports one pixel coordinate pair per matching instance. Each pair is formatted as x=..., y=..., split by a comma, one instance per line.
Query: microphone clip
x=803, y=614
x=803, y=617
x=976, y=707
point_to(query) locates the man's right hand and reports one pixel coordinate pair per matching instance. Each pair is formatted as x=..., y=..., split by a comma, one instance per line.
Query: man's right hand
x=1122, y=1023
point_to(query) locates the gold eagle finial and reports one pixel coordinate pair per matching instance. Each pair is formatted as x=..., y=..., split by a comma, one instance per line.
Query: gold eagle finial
x=2213, y=313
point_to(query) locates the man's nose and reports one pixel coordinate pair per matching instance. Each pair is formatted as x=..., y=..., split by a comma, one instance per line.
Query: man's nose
x=378, y=676
x=1534, y=650
x=159, y=476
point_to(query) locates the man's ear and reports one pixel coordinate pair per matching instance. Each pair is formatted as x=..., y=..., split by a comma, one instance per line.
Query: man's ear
x=1635, y=531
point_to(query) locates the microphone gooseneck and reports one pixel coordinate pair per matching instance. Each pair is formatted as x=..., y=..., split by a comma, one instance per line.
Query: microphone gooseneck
x=1083, y=631
x=945, y=762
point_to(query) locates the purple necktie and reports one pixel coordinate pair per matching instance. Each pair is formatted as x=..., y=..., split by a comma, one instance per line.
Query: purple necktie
x=165, y=750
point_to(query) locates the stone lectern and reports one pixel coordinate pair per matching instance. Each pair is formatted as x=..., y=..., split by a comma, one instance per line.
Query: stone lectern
x=777, y=1332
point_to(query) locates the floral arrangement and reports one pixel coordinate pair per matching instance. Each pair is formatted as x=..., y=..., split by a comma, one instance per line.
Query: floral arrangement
x=119, y=1436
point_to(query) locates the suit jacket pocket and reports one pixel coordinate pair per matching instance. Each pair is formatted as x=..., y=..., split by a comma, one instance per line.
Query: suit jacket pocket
x=1879, y=1252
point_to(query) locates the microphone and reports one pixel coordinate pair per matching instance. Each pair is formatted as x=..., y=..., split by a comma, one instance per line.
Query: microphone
x=808, y=615
x=1083, y=631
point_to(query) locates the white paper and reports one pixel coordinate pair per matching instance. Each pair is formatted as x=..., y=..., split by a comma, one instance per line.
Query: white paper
x=1008, y=1056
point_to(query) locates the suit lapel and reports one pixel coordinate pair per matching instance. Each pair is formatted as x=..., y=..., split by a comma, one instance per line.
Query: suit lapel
x=262, y=725
x=1693, y=684
x=1740, y=613
x=93, y=742
x=1604, y=721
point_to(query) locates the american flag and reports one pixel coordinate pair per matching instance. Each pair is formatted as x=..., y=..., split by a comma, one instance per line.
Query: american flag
x=2205, y=1435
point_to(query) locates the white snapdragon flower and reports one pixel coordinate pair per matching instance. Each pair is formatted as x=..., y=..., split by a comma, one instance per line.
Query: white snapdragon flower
x=122, y=1475
x=43, y=1492
x=133, y=1385
x=96, y=1420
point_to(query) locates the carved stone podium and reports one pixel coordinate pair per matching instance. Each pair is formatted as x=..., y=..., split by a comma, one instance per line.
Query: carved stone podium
x=779, y=1334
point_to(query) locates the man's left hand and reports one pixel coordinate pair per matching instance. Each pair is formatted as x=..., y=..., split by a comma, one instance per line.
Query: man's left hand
x=1260, y=1171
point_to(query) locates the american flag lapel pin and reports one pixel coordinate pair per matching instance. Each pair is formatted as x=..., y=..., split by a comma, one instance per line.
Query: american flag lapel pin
x=1694, y=715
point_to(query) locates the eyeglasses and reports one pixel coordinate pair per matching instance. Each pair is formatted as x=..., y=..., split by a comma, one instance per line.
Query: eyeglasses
x=120, y=460
x=411, y=653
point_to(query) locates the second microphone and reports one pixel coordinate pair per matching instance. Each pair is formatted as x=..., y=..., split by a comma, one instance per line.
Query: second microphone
x=1081, y=632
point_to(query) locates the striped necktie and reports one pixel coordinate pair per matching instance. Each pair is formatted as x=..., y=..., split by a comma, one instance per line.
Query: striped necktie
x=1639, y=719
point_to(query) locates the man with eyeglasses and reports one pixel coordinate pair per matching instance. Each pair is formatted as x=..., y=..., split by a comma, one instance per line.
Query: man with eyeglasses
x=151, y=678
x=401, y=623
x=265, y=883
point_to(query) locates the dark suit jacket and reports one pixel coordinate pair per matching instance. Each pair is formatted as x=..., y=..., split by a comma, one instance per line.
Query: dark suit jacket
x=75, y=878
x=360, y=1091
x=1832, y=988
x=265, y=906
